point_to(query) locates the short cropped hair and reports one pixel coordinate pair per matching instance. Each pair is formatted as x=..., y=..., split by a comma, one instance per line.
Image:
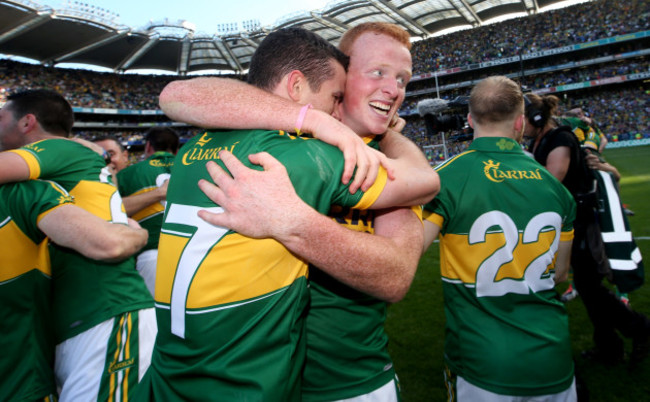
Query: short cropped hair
x=289, y=49
x=495, y=99
x=52, y=110
x=163, y=139
x=380, y=28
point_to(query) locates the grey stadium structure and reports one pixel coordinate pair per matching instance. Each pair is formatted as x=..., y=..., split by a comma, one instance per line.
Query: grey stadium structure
x=81, y=34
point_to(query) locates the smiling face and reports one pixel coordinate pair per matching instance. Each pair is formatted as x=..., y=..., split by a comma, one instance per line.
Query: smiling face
x=119, y=157
x=380, y=68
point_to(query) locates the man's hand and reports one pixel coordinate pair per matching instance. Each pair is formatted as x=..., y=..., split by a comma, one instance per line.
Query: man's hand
x=594, y=162
x=355, y=151
x=397, y=123
x=258, y=204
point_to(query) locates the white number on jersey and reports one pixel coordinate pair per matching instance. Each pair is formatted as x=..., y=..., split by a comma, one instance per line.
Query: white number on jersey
x=160, y=180
x=117, y=210
x=534, y=278
x=194, y=253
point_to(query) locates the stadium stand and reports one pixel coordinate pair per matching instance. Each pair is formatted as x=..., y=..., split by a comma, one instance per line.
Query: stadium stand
x=591, y=54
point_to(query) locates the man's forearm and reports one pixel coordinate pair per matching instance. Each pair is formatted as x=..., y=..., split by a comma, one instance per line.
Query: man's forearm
x=137, y=202
x=227, y=103
x=416, y=183
x=382, y=265
x=13, y=168
x=73, y=227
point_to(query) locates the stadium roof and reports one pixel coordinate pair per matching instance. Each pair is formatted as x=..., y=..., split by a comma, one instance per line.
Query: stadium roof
x=90, y=36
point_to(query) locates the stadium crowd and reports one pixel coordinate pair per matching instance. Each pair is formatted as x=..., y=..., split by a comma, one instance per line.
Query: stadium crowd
x=570, y=25
x=622, y=114
x=577, y=24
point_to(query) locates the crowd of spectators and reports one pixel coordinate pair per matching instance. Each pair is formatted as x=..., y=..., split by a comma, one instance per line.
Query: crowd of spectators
x=621, y=113
x=576, y=24
x=85, y=88
x=544, y=80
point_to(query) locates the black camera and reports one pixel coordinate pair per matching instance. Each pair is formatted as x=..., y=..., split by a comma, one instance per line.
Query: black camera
x=455, y=118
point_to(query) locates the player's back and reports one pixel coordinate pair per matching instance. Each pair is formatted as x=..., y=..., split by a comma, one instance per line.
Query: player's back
x=26, y=290
x=86, y=292
x=140, y=178
x=502, y=216
x=230, y=305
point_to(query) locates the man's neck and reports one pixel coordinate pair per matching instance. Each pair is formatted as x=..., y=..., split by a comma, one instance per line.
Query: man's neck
x=39, y=136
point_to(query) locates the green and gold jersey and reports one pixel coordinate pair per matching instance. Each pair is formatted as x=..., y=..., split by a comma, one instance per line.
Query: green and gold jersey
x=502, y=216
x=27, y=344
x=86, y=292
x=144, y=177
x=587, y=136
x=230, y=308
x=347, y=353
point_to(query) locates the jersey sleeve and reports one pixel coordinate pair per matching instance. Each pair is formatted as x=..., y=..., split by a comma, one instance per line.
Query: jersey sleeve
x=31, y=201
x=62, y=160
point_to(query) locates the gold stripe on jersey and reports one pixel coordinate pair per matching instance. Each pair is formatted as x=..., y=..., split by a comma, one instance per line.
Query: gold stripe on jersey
x=20, y=254
x=460, y=261
x=32, y=162
x=450, y=161
x=94, y=197
x=434, y=218
x=237, y=268
x=418, y=211
x=149, y=210
x=374, y=191
x=566, y=236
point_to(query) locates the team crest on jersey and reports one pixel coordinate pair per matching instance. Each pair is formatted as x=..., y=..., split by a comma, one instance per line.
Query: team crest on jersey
x=199, y=153
x=159, y=163
x=65, y=199
x=494, y=173
x=503, y=144
x=34, y=147
x=121, y=365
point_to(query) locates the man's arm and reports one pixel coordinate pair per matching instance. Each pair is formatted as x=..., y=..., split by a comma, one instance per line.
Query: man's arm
x=75, y=228
x=557, y=162
x=415, y=180
x=562, y=261
x=228, y=103
x=595, y=163
x=137, y=202
x=264, y=204
x=13, y=168
x=431, y=232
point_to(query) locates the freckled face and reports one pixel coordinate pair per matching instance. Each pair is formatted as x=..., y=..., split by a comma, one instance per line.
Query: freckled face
x=380, y=68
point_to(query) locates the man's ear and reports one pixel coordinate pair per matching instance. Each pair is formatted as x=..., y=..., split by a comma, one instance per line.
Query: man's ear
x=295, y=83
x=28, y=123
x=520, y=123
x=469, y=120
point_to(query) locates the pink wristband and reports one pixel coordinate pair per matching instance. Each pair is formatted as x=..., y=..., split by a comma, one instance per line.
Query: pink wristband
x=301, y=117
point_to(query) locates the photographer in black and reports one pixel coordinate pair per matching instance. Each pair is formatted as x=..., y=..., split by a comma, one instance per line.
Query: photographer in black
x=558, y=149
